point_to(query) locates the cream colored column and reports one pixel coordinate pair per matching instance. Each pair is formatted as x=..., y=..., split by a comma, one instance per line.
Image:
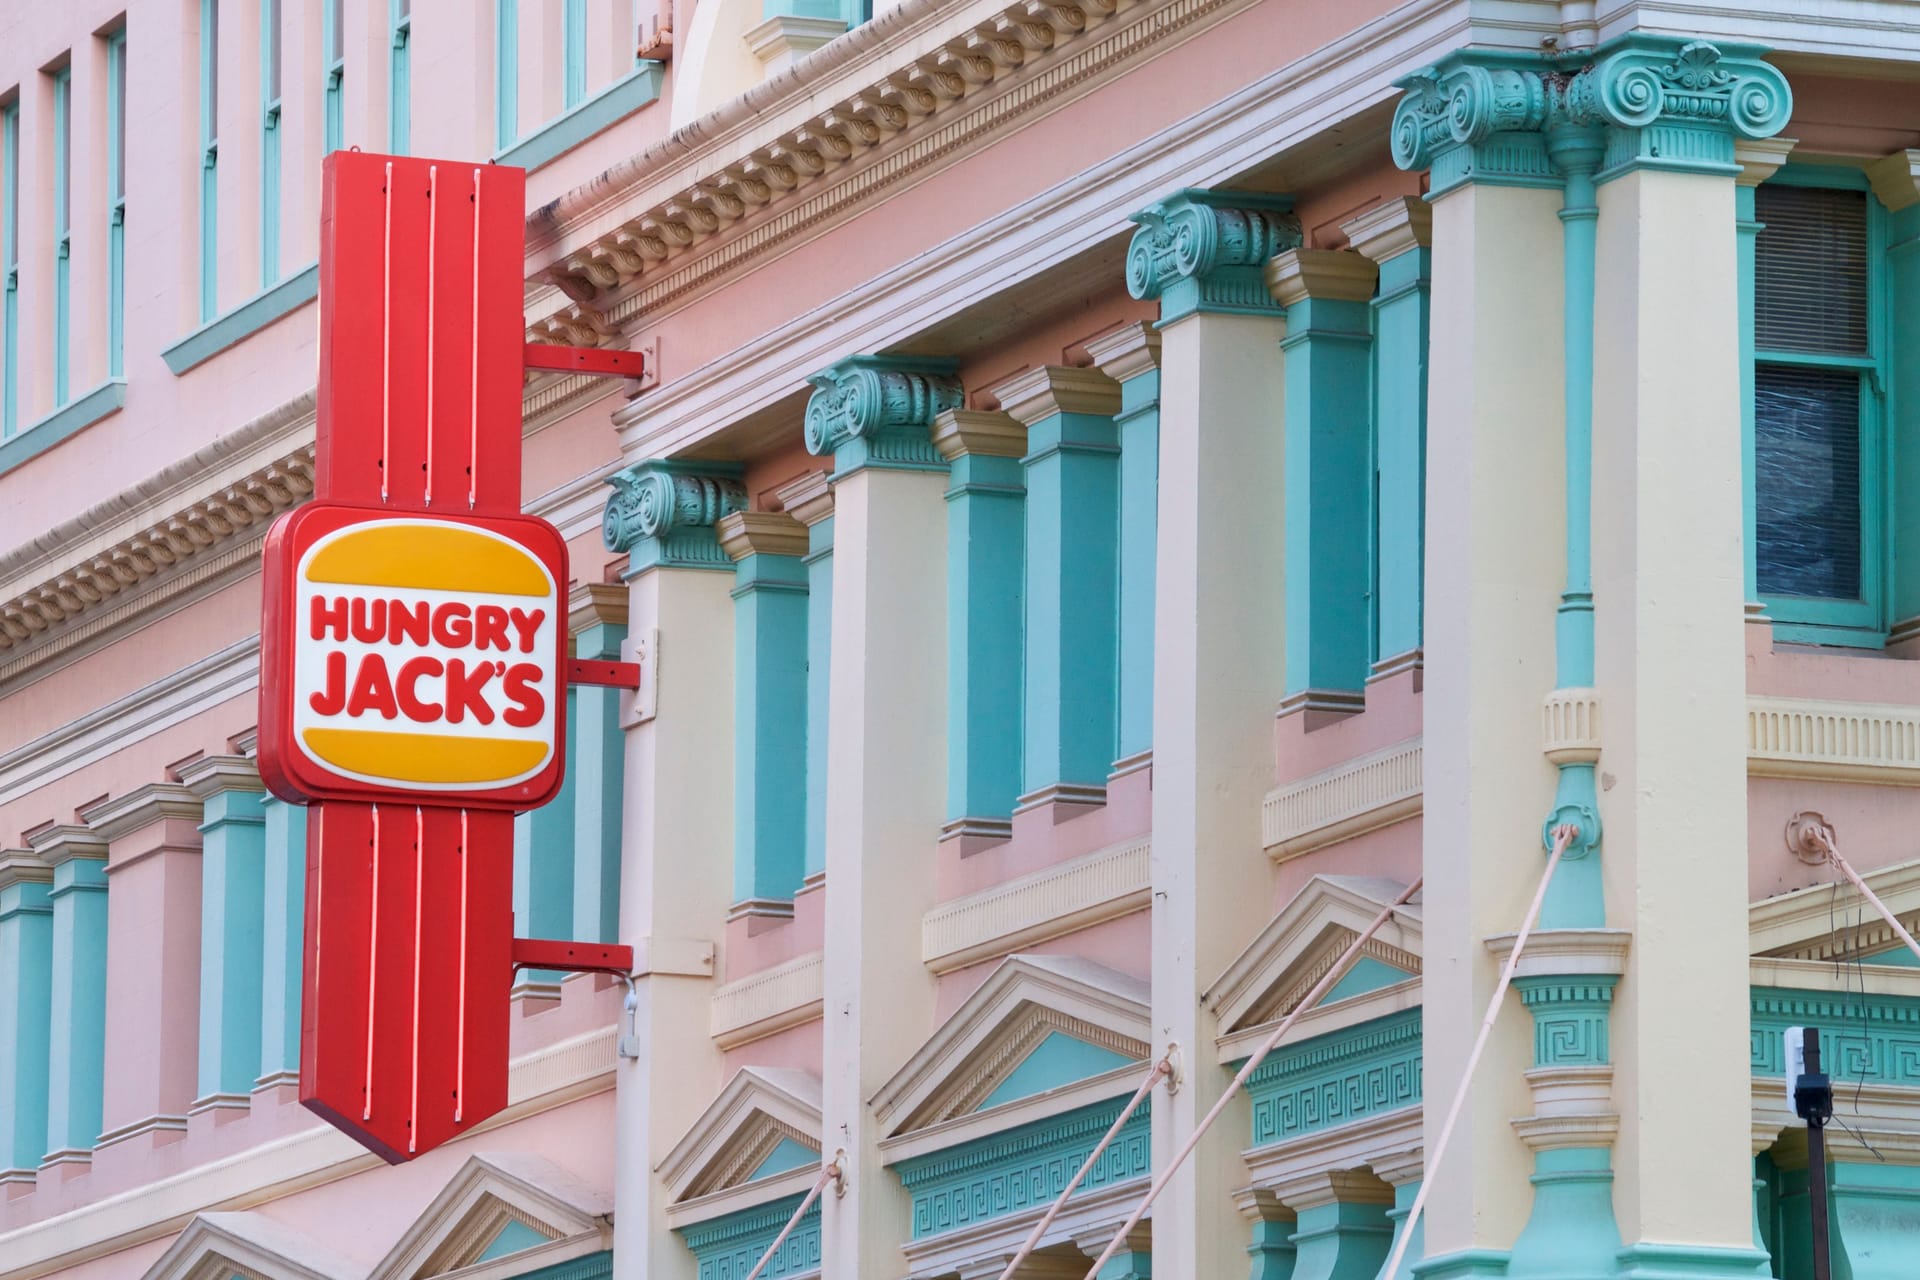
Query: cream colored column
x=677, y=833
x=886, y=772
x=1669, y=595
x=1219, y=673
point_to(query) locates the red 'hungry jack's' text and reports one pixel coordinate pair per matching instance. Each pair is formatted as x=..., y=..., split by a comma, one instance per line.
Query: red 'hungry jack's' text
x=454, y=624
x=466, y=687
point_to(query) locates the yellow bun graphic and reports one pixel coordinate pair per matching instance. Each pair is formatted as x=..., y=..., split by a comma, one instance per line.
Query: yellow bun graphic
x=425, y=757
x=445, y=557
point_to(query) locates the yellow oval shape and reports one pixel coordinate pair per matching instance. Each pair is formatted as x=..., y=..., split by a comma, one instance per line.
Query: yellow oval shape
x=424, y=554
x=425, y=757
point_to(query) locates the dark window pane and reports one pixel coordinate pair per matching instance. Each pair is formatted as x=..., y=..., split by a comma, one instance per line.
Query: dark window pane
x=1807, y=481
x=1810, y=270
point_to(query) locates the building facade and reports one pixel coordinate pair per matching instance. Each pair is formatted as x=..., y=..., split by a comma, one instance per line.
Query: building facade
x=1082, y=441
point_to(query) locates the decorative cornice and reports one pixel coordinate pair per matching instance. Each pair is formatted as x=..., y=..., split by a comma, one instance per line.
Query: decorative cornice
x=1573, y=954
x=662, y=513
x=141, y=808
x=1034, y=908
x=808, y=498
x=760, y=1004
x=211, y=774
x=1666, y=103
x=1761, y=158
x=1392, y=228
x=1337, y=275
x=1056, y=389
x=1347, y=800
x=23, y=866
x=1802, y=925
x=876, y=411
x=958, y=433
x=1127, y=352
x=1203, y=251
x=596, y=604
x=188, y=536
x=732, y=1136
x=66, y=841
x=760, y=533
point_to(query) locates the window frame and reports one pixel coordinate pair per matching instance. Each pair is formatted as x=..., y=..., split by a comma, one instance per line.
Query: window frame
x=117, y=202
x=333, y=61
x=400, y=77
x=506, y=74
x=1861, y=622
x=209, y=159
x=271, y=86
x=10, y=266
x=62, y=233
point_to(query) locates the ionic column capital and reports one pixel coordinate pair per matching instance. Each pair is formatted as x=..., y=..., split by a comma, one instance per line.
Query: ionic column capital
x=876, y=411
x=662, y=513
x=1201, y=251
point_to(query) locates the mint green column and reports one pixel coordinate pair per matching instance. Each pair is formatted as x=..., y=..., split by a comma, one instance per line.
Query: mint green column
x=1398, y=236
x=1898, y=188
x=1131, y=357
x=232, y=899
x=598, y=767
x=26, y=1010
x=1342, y=1231
x=1571, y=1231
x=543, y=867
x=283, y=923
x=1875, y=1220
x=1329, y=358
x=1272, y=1248
x=1404, y=1194
x=77, y=1014
x=770, y=610
x=817, y=514
x=986, y=602
x=1072, y=468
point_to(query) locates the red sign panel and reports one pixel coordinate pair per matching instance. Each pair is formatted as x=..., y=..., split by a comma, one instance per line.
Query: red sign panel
x=413, y=642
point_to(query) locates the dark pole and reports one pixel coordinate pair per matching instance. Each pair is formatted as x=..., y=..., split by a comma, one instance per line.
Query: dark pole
x=1813, y=1099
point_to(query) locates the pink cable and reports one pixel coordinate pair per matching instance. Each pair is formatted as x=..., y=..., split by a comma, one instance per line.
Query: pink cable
x=828, y=1173
x=1307, y=1001
x=1833, y=852
x=1160, y=1068
x=1562, y=836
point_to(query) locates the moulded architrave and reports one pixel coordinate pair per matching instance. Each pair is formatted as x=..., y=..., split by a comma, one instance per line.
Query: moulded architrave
x=1325, y=1020
x=709, y=1173
x=1056, y=900
x=538, y=1081
x=490, y=1190
x=216, y=1246
x=967, y=1250
x=1383, y=1138
x=1302, y=943
x=987, y=1036
x=1817, y=975
x=1802, y=925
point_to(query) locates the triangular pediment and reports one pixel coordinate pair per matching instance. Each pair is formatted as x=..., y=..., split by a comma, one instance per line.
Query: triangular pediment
x=502, y=1213
x=1298, y=948
x=1825, y=923
x=221, y=1246
x=764, y=1128
x=1039, y=1028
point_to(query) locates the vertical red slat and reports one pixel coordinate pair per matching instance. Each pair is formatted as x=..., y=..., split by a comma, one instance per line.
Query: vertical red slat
x=502, y=335
x=334, y=987
x=348, y=407
x=407, y=376
x=452, y=353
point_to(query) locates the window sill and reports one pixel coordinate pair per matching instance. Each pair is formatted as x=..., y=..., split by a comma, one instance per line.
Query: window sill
x=251, y=316
x=563, y=133
x=68, y=420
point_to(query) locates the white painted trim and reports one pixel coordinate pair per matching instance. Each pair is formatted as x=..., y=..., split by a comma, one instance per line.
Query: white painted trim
x=1804, y=924
x=216, y=1246
x=1056, y=900
x=973, y=1125
x=488, y=1191
x=1880, y=30
x=1289, y=1168
x=1818, y=976
x=226, y=674
x=769, y=1001
x=1339, y=1016
x=756, y=1102
x=536, y=1082
x=1816, y=738
x=1353, y=797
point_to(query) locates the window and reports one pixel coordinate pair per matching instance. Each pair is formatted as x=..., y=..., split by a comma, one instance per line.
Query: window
x=10, y=267
x=506, y=74
x=400, y=80
x=1818, y=413
x=209, y=158
x=574, y=45
x=333, y=46
x=117, y=204
x=269, y=142
x=62, y=229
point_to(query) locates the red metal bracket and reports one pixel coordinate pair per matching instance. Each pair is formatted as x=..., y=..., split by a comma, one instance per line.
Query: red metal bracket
x=593, y=360
x=574, y=957
x=614, y=675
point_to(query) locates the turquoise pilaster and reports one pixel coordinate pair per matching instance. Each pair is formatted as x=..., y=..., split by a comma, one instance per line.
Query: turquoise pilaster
x=986, y=605
x=662, y=513
x=598, y=766
x=1898, y=191
x=1404, y=1194
x=26, y=1010
x=1398, y=236
x=543, y=860
x=1329, y=355
x=283, y=917
x=1272, y=1249
x=77, y=1014
x=878, y=411
x=232, y=900
x=1131, y=357
x=1127, y=1263
x=769, y=709
x=810, y=500
x=1071, y=656
x=1342, y=1236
